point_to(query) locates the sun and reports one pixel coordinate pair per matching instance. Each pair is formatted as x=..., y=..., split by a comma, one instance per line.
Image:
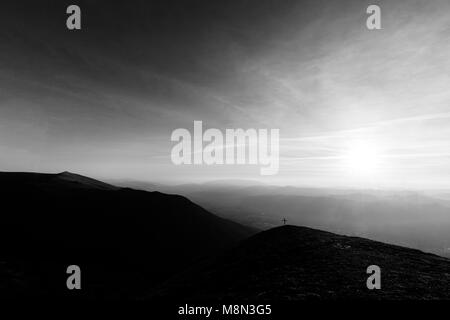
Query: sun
x=361, y=159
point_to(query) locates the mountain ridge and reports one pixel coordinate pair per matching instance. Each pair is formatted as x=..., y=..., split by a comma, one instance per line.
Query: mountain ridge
x=134, y=237
x=65, y=179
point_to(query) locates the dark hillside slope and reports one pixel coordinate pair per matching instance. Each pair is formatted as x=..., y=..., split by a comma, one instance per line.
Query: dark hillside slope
x=297, y=263
x=124, y=240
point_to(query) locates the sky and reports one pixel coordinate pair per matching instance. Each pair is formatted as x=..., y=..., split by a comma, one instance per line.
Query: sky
x=355, y=107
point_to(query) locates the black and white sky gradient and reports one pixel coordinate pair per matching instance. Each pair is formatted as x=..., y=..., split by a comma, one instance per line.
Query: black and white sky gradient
x=104, y=100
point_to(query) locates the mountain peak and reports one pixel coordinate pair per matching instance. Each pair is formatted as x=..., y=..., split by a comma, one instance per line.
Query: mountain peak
x=77, y=180
x=65, y=173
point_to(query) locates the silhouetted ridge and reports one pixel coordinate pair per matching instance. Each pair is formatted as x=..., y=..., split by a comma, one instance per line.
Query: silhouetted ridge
x=63, y=180
x=83, y=181
x=126, y=240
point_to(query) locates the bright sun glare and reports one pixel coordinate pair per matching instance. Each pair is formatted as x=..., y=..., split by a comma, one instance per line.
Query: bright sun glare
x=361, y=159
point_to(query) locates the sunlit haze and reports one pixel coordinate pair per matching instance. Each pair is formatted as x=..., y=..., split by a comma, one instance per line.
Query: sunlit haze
x=355, y=107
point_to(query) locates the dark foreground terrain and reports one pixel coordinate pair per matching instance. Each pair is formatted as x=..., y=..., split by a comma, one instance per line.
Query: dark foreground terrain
x=297, y=263
x=125, y=241
x=148, y=245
